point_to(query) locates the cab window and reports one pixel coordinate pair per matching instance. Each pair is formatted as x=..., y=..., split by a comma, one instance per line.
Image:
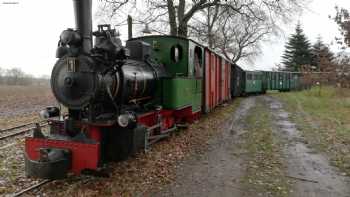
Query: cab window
x=176, y=53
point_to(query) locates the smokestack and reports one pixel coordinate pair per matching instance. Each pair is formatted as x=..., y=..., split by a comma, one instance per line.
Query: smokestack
x=83, y=22
x=129, y=27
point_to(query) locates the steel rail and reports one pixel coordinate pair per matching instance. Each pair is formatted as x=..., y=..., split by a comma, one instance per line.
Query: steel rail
x=28, y=189
x=19, y=126
x=21, y=132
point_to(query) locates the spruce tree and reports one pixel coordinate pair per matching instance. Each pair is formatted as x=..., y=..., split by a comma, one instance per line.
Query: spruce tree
x=321, y=54
x=297, y=52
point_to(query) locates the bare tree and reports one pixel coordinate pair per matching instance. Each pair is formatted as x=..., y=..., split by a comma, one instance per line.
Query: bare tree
x=233, y=27
x=342, y=69
x=176, y=14
x=238, y=33
x=243, y=39
x=342, y=18
x=205, y=30
x=342, y=60
x=179, y=13
x=14, y=76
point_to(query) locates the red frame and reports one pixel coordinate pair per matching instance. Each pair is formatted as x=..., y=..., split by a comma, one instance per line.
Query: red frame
x=87, y=156
x=151, y=118
x=169, y=117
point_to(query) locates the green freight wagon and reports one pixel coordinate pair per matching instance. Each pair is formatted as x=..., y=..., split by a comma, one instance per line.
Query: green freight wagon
x=253, y=82
x=272, y=80
x=237, y=80
x=268, y=79
x=295, y=81
x=281, y=81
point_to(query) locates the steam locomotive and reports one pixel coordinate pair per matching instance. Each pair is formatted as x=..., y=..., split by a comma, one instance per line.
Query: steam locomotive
x=122, y=99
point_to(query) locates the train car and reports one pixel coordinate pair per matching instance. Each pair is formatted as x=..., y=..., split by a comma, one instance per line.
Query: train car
x=225, y=80
x=253, y=82
x=295, y=81
x=237, y=80
x=284, y=81
x=270, y=80
x=217, y=83
x=281, y=81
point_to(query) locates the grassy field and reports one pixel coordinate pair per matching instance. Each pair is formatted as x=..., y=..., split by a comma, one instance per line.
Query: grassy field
x=323, y=115
x=21, y=104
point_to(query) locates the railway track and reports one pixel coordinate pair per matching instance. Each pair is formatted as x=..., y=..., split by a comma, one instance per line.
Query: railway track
x=6, y=136
x=31, y=188
x=20, y=129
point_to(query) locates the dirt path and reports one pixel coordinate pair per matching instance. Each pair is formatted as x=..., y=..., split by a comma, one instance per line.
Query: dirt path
x=220, y=170
x=216, y=172
x=314, y=177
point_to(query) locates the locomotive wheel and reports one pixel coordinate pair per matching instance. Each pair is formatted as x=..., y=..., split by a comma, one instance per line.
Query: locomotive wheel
x=119, y=144
x=124, y=146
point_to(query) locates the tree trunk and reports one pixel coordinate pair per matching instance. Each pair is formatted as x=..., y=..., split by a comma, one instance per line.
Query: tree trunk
x=182, y=27
x=172, y=17
x=182, y=30
x=210, y=38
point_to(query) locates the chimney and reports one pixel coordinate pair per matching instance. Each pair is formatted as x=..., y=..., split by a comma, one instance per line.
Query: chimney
x=129, y=27
x=83, y=22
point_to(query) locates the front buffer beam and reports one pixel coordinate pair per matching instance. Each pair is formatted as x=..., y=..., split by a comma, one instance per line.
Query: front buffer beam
x=43, y=157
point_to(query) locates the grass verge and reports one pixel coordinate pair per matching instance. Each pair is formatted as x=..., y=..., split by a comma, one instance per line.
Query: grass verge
x=323, y=116
x=265, y=171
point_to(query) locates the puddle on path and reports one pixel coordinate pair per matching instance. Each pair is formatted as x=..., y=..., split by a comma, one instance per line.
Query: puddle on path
x=313, y=175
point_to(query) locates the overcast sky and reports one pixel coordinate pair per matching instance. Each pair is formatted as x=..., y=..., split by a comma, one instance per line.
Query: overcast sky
x=30, y=30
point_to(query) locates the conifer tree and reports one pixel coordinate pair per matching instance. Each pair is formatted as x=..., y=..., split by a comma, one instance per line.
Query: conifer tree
x=321, y=54
x=297, y=51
